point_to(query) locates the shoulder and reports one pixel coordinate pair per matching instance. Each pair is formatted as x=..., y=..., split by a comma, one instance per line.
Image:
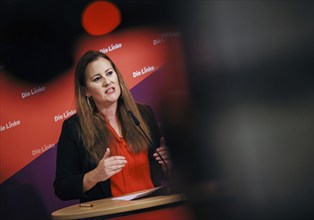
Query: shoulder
x=74, y=119
x=147, y=112
x=70, y=128
x=71, y=122
x=144, y=109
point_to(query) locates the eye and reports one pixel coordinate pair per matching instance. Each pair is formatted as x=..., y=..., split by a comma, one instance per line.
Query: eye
x=96, y=79
x=109, y=73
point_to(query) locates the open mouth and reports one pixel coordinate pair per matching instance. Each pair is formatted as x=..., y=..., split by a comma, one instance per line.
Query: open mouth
x=110, y=90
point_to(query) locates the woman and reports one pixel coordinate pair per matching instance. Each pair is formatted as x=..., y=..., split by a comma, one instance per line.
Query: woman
x=101, y=151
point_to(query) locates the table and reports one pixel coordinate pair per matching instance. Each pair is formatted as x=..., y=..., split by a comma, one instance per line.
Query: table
x=108, y=206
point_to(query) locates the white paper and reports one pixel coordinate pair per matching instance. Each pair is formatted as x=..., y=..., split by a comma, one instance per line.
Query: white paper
x=140, y=194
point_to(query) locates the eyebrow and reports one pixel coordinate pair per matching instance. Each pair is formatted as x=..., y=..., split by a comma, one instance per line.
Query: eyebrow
x=106, y=71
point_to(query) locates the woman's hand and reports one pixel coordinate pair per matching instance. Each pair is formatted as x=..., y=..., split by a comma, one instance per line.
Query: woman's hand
x=164, y=153
x=107, y=167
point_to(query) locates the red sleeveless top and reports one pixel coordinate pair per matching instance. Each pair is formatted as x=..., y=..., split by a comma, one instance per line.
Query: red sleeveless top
x=135, y=175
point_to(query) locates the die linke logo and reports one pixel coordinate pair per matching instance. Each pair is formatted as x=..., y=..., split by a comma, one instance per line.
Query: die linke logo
x=111, y=48
x=164, y=36
x=9, y=125
x=42, y=149
x=143, y=71
x=64, y=115
x=33, y=91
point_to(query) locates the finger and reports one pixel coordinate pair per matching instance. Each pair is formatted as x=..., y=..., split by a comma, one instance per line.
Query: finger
x=116, y=162
x=107, y=153
x=114, y=169
x=167, y=162
x=113, y=161
x=117, y=167
x=161, y=162
x=162, y=148
x=113, y=158
x=164, y=157
x=163, y=153
x=164, y=163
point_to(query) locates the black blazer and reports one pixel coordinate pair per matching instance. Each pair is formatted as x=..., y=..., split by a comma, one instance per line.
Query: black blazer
x=73, y=162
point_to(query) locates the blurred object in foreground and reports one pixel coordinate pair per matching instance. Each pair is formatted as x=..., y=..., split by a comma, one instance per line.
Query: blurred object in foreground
x=244, y=149
x=36, y=38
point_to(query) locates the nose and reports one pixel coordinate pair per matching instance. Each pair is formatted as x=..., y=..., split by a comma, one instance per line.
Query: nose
x=106, y=81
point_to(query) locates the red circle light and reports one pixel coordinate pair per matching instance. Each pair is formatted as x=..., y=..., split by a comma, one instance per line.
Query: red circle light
x=100, y=18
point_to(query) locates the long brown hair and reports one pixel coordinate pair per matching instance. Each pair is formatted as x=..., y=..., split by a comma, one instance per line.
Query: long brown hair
x=93, y=130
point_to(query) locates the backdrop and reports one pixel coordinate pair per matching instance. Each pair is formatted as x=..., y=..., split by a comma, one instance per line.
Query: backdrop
x=151, y=62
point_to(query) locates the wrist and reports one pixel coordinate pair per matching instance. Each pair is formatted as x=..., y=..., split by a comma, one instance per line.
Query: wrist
x=89, y=181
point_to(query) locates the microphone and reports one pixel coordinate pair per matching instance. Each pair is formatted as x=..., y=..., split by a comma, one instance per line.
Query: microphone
x=137, y=123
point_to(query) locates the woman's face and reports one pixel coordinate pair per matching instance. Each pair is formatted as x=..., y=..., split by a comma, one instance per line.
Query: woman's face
x=102, y=83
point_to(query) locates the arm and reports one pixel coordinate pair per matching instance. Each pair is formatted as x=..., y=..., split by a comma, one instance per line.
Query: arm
x=76, y=178
x=71, y=162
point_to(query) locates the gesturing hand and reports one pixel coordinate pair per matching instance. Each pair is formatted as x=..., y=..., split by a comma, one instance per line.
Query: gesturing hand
x=164, y=153
x=108, y=166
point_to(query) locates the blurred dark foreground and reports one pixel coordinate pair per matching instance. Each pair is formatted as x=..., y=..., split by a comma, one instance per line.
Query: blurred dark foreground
x=242, y=140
